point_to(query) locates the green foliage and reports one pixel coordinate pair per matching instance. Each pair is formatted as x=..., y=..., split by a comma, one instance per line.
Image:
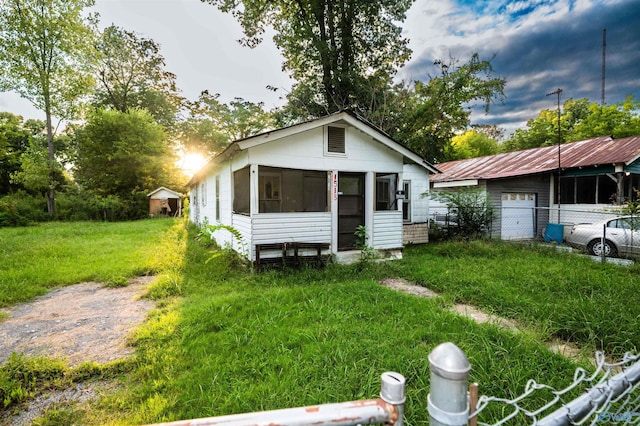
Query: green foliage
x=207, y=232
x=440, y=106
x=329, y=48
x=469, y=209
x=15, y=139
x=22, y=208
x=36, y=174
x=472, y=144
x=212, y=125
x=240, y=342
x=45, y=47
x=367, y=253
x=130, y=73
x=123, y=154
x=579, y=120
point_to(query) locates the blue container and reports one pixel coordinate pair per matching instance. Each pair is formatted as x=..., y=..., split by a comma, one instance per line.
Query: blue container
x=554, y=232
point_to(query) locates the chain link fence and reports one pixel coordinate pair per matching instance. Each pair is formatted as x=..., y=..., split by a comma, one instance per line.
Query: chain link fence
x=610, y=394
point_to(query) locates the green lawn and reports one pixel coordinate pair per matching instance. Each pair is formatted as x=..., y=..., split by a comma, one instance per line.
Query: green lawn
x=224, y=340
x=37, y=258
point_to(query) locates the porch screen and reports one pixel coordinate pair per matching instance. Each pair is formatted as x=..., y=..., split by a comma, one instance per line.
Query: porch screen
x=291, y=190
x=593, y=189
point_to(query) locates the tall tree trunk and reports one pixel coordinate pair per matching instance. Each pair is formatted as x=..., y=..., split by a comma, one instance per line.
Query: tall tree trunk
x=51, y=193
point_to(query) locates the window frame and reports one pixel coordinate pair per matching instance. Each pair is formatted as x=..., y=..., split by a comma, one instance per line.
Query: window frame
x=390, y=192
x=406, y=203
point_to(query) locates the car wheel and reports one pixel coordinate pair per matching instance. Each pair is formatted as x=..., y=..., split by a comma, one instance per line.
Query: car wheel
x=596, y=248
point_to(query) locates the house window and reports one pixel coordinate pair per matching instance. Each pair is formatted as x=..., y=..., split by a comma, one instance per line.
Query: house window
x=203, y=193
x=292, y=190
x=406, y=203
x=241, y=192
x=336, y=140
x=218, y=198
x=386, y=186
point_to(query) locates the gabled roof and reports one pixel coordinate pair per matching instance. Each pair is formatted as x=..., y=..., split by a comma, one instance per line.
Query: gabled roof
x=598, y=151
x=342, y=117
x=162, y=188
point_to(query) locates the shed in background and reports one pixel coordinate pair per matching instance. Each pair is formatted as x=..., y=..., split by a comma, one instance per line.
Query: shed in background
x=165, y=202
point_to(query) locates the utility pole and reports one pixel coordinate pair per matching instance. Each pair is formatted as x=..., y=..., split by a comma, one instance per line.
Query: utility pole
x=558, y=92
x=604, y=55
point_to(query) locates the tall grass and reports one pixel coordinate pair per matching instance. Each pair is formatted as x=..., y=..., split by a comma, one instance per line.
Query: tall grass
x=568, y=296
x=37, y=258
x=237, y=342
x=223, y=340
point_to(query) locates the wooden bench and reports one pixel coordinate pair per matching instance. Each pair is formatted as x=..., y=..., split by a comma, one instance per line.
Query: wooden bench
x=290, y=254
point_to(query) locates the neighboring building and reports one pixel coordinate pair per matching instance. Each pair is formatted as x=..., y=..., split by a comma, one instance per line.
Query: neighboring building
x=596, y=175
x=315, y=182
x=165, y=202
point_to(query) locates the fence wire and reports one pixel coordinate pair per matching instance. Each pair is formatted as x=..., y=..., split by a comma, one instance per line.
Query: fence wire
x=610, y=395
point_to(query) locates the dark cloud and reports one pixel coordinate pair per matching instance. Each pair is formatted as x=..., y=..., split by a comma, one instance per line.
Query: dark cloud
x=554, y=54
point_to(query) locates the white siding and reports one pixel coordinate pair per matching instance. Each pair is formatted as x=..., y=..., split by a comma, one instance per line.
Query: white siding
x=292, y=227
x=419, y=178
x=306, y=151
x=163, y=194
x=242, y=224
x=387, y=230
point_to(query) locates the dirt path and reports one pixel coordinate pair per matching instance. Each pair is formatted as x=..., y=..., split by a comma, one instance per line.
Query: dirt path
x=83, y=322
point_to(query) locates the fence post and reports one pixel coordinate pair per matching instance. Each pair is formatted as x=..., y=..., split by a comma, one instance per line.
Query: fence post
x=448, y=400
x=392, y=392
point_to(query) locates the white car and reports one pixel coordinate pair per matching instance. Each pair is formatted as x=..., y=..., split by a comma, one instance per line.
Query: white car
x=621, y=237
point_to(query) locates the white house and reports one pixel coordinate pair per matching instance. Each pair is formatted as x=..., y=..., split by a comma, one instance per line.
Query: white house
x=315, y=182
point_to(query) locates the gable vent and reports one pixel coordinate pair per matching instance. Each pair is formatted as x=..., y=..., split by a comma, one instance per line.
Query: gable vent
x=335, y=137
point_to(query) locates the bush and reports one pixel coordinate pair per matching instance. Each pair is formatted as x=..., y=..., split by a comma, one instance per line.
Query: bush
x=22, y=209
x=470, y=211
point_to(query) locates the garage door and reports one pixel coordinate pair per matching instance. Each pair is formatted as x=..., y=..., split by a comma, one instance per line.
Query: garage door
x=518, y=215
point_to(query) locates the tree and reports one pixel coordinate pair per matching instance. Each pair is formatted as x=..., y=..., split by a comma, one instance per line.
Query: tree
x=123, y=153
x=442, y=106
x=44, y=50
x=471, y=144
x=579, y=120
x=130, y=74
x=212, y=125
x=618, y=120
x=15, y=138
x=331, y=48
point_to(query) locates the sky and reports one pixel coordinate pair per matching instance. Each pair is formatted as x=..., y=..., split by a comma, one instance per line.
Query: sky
x=538, y=46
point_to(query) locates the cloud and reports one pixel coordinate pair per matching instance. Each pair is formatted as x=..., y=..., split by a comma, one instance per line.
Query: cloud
x=539, y=46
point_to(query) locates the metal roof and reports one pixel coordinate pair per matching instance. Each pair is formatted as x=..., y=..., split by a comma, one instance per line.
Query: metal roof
x=591, y=152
